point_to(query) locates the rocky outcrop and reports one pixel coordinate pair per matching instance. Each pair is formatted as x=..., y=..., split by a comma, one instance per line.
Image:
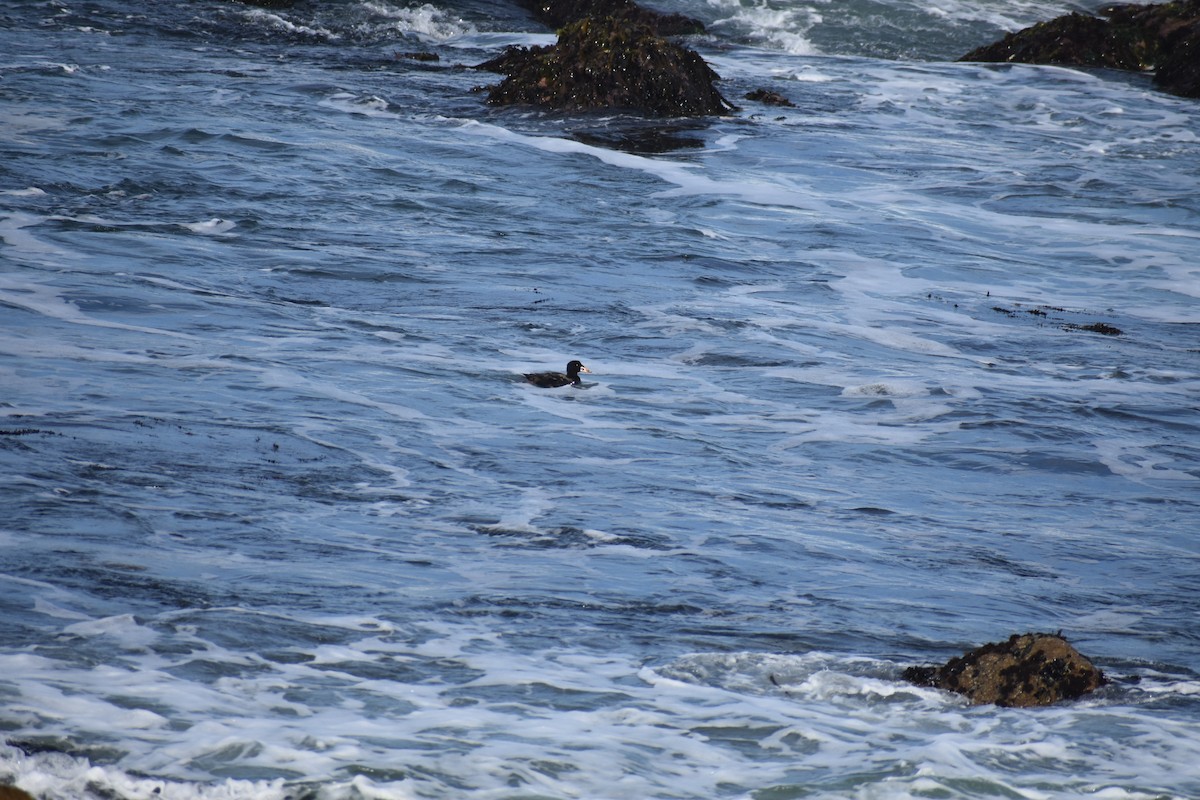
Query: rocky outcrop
x=1033, y=669
x=608, y=63
x=1163, y=37
x=1074, y=39
x=558, y=13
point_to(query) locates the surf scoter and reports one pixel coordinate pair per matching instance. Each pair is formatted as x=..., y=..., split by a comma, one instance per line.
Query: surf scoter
x=552, y=380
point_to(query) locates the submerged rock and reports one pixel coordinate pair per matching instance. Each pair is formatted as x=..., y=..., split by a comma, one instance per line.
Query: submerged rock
x=767, y=97
x=1033, y=669
x=608, y=63
x=1164, y=36
x=417, y=55
x=1096, y=327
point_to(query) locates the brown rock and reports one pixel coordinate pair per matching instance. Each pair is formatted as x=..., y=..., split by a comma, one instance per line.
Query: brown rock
x=557, y=13
x=1074, y=39
x=1163, y=37
x=1179, y=68
x=608, y=63
x=13, y=793
x=1033, y=669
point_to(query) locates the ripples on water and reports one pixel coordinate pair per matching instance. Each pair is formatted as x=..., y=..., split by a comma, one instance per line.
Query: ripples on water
x=282, y=518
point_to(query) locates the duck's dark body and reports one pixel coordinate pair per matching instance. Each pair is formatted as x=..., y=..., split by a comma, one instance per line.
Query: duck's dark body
x=553, y=380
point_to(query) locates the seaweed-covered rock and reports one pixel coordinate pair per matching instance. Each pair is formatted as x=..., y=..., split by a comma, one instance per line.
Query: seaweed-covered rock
x=608, y=63
x=1163, y=36
x=1179, y=65
x=1180, y=72
x=557, y=13
x=1033, y=669
x=1075, y=38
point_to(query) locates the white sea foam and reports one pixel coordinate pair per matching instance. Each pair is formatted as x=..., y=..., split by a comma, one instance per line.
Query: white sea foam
x=18, y=123
x=1009, y=17
x=67, y=69
x=124, y=629
x=32, y=191
x=283, y=519
x=24, y=243
x=1141, y=461
x=60, y=775
x=775, y=26
x=271, y=20
x=361, y=105
x=44, y=606
x=49, y=301
x=428, y=22
x=823, y=712
x=210, y=227
x=688, y=178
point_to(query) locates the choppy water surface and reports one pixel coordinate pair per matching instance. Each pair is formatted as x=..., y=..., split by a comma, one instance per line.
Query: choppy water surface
x=283, y=520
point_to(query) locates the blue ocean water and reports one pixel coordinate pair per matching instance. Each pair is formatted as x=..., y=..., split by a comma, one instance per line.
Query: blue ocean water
x=283, y=520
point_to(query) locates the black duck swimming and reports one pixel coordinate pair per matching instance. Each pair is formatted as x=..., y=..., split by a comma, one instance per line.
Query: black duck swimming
x=552, y=380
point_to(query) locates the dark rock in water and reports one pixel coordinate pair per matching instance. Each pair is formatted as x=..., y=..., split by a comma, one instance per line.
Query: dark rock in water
x=1165, y=37
x=654, y=138
x=558, y=13
x=608, y=63
x=1075, y=39
x=1177, y=26
x=1034, y=669
x=13, y=793
x=1096, y=327
x=1179, y=73
x=513, y=59
x=769, y=98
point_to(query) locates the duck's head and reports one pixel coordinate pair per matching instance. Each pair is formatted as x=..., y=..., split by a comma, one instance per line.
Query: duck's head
x=576, y=367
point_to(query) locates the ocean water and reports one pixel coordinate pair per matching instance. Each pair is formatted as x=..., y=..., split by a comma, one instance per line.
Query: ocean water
x=282, y=519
